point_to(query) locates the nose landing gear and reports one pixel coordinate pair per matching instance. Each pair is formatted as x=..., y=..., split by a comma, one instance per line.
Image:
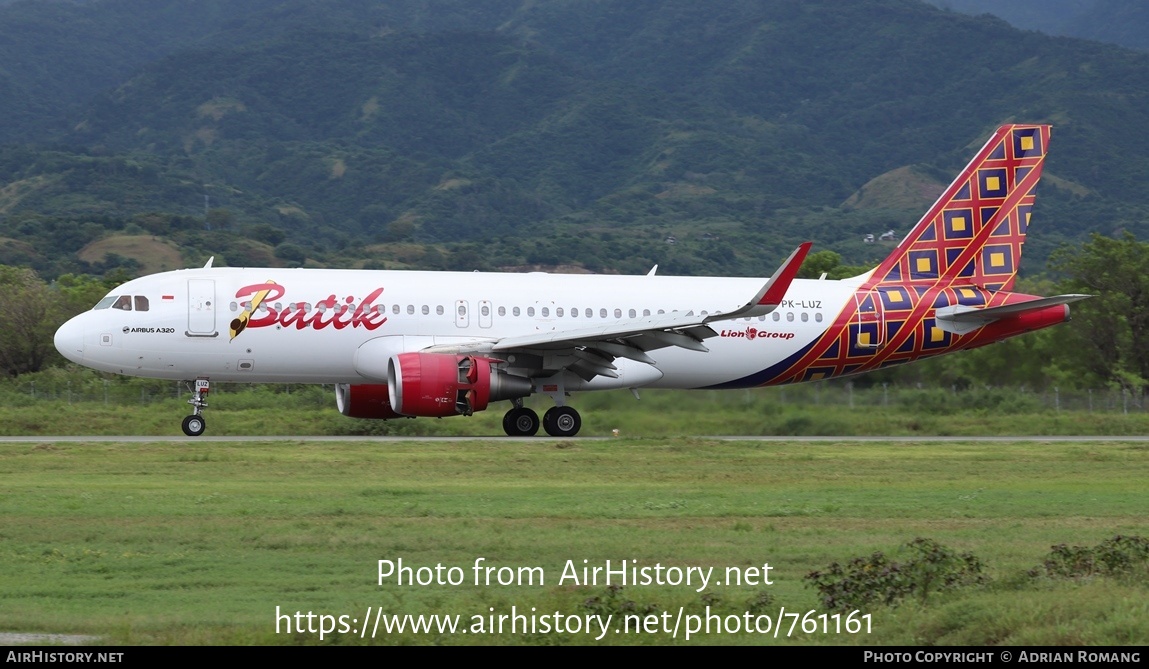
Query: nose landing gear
x=194, y=425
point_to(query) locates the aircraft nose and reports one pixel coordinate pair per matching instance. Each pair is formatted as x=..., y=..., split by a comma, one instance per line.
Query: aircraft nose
x=69, y=340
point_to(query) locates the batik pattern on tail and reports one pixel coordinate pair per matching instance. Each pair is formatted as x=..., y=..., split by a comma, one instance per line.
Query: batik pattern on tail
x=964, y=251
x=974, y=233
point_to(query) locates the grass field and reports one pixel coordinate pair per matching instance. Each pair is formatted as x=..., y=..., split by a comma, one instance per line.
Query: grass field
x=158, y=543
x=88, y=405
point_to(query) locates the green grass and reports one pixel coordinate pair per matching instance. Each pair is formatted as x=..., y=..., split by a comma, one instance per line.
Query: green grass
x=792, y=411
x=198, y=544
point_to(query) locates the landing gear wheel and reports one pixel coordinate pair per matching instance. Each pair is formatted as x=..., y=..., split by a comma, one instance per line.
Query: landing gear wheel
x=520, y=422
x=561, y=422
x=194, y=426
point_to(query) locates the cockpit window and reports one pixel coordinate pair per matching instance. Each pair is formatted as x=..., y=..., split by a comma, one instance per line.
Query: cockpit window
x=123, y=302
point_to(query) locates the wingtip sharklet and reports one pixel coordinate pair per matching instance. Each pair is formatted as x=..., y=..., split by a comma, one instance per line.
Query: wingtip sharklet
x=775, y=289
x=772, y=292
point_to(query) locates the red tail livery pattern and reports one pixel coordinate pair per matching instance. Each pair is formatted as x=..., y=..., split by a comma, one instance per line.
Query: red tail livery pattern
x=974, y=232
x=964, y=251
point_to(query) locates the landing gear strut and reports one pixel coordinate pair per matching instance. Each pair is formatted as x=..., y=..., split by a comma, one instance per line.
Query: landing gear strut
x=194, y=425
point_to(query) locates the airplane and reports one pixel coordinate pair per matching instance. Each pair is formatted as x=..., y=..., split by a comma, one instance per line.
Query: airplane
x=436, y=344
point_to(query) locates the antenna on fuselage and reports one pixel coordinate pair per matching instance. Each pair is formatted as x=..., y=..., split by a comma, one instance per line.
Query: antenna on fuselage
x=652, y=271
x=210, y=260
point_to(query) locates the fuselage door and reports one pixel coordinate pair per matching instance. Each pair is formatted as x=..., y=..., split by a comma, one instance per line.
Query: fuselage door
x=462, y=314
x=201, y=307
x=869, y=328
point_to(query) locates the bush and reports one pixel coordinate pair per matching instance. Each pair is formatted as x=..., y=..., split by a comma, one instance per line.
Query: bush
x=1119, y=556
x=612, y=603
x=879, y=580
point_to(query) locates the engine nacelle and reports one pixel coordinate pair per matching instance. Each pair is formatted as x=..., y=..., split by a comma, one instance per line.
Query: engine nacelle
x=438, y=384
x=369, y=400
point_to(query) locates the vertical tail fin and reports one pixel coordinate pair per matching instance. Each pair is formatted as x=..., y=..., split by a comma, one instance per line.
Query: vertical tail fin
x=973, y=234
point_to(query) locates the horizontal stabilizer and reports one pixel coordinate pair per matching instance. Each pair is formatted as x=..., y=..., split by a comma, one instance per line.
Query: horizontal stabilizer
x=960, y=319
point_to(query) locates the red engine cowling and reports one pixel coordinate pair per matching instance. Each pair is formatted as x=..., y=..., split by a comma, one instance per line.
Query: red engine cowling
x=437, y=384
x=364, y=401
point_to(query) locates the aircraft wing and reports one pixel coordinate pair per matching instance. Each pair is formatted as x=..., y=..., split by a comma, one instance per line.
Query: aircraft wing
x=592, y=350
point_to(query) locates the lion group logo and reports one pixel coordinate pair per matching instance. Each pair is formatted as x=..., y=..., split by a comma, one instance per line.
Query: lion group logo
x=755, y=333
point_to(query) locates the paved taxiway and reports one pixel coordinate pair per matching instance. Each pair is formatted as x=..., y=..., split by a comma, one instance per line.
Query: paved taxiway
x=220, y=439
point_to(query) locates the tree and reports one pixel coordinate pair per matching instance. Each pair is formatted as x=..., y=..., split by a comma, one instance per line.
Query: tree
x=1110, y=331
x=829, y=263
x=29, y=315
x=78, y=292
x=219, y=219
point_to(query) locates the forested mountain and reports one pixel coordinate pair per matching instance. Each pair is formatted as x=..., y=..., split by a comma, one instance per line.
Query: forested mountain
x=1124, y=22
x=557, y=131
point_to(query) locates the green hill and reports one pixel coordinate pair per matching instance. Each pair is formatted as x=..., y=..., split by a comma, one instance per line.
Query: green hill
x=562, y=131
x=1124, y=22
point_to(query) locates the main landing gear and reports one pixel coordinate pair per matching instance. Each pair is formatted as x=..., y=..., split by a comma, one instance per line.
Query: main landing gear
x=194, y=425
x=562, y=422
x=557, y=421
x=521, y=422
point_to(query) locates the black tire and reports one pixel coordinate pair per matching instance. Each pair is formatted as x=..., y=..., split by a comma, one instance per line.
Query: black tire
x=562, y=422
x=521, y=422
x=194, y=425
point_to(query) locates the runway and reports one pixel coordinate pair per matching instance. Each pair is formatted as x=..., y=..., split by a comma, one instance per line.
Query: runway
x=191, y=441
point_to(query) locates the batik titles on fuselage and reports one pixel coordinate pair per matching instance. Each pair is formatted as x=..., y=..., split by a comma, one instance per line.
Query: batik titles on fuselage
x=331, y=311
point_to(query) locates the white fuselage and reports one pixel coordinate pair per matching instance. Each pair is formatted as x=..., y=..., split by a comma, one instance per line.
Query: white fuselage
x=310, y=326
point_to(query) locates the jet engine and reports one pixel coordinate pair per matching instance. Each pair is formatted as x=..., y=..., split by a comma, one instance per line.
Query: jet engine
x=368, y=400
x=438, y=384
